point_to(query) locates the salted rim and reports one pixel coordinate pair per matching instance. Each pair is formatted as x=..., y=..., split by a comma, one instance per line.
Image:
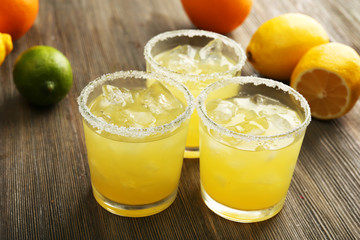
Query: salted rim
x=201, y=108
x=102, y=125
x=192, y=33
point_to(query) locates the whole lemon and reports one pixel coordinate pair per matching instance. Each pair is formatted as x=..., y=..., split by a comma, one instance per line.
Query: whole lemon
x=279, y=43
x=6, y=46
x=43, y=75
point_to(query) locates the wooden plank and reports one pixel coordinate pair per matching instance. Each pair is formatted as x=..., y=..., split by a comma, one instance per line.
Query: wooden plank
x=45, y=190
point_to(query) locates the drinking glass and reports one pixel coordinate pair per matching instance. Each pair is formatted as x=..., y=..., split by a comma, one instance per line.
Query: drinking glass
x=195, y=82
x=135, y=171
x=245, y=176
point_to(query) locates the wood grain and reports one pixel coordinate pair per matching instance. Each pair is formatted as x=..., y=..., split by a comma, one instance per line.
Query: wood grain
x=44, y=176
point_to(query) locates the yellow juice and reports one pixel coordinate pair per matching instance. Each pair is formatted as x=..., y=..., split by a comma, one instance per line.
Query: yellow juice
x=193, y=60
x=136, y=173
x=246, y=180
x=243, y=174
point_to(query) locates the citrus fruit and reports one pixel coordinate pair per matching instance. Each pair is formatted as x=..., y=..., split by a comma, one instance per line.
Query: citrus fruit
x=217, y=16
x=17, y=17
x=6, y=46
x=328, y=76
x=43, y=75
x=279, y=43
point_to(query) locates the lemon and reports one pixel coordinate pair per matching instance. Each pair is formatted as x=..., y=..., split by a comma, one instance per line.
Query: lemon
x=43, y=75
x=6, y=46
x=279, y=43
x=328, y=76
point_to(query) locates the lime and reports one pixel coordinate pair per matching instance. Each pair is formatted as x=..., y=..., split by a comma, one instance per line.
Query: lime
x=43, y=75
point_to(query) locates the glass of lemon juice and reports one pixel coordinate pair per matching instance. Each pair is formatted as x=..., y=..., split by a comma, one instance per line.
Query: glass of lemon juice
x=251, y=132
x=135, y=126
x=195, y=58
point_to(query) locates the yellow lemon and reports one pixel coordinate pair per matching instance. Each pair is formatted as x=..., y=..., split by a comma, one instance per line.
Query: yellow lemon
x=279, y=43
x=328, y=76
x=6, y=46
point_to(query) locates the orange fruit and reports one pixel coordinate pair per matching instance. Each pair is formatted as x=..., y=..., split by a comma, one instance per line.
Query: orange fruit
x=279, y=43
x=217, y=16
x=17, y=16
x=328, y=76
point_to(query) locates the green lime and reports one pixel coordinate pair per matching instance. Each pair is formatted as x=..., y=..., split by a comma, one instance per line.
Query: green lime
x=43, y=75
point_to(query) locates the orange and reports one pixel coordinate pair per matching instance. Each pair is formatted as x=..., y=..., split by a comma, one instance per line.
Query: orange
x=279, y=43
x=328, y=76
x=215, y=15
x=17, y=16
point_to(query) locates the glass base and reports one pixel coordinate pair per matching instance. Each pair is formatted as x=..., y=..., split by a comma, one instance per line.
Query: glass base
x=191, y=152
x=134, y=210
x=243, y=216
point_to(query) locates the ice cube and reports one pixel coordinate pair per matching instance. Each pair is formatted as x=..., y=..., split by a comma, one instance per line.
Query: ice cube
x=242, y=115
x=242, y=102
x=214, y=46
x=221, y=111
x=268, y=178
x=278, y=144
x=152, y=167
x=262, y=121
x=115, y=95
x=103, y=108
x=214, y=64
x=280, y=124
x=249, y=114
x=180, y=59
x=248, y=122
x=235, y=162
x=115, y=116
x=128, y=183
x=159, y=100
x=236, y=120
x=99, y=104
x=183, y=50
x=264, y=100
x=211, y=58
x=183, y=65
x=221, y=178
x=138, y=119
x=251, y=128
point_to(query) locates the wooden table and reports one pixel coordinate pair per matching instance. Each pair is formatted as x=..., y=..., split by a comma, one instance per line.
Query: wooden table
x=44, y=176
